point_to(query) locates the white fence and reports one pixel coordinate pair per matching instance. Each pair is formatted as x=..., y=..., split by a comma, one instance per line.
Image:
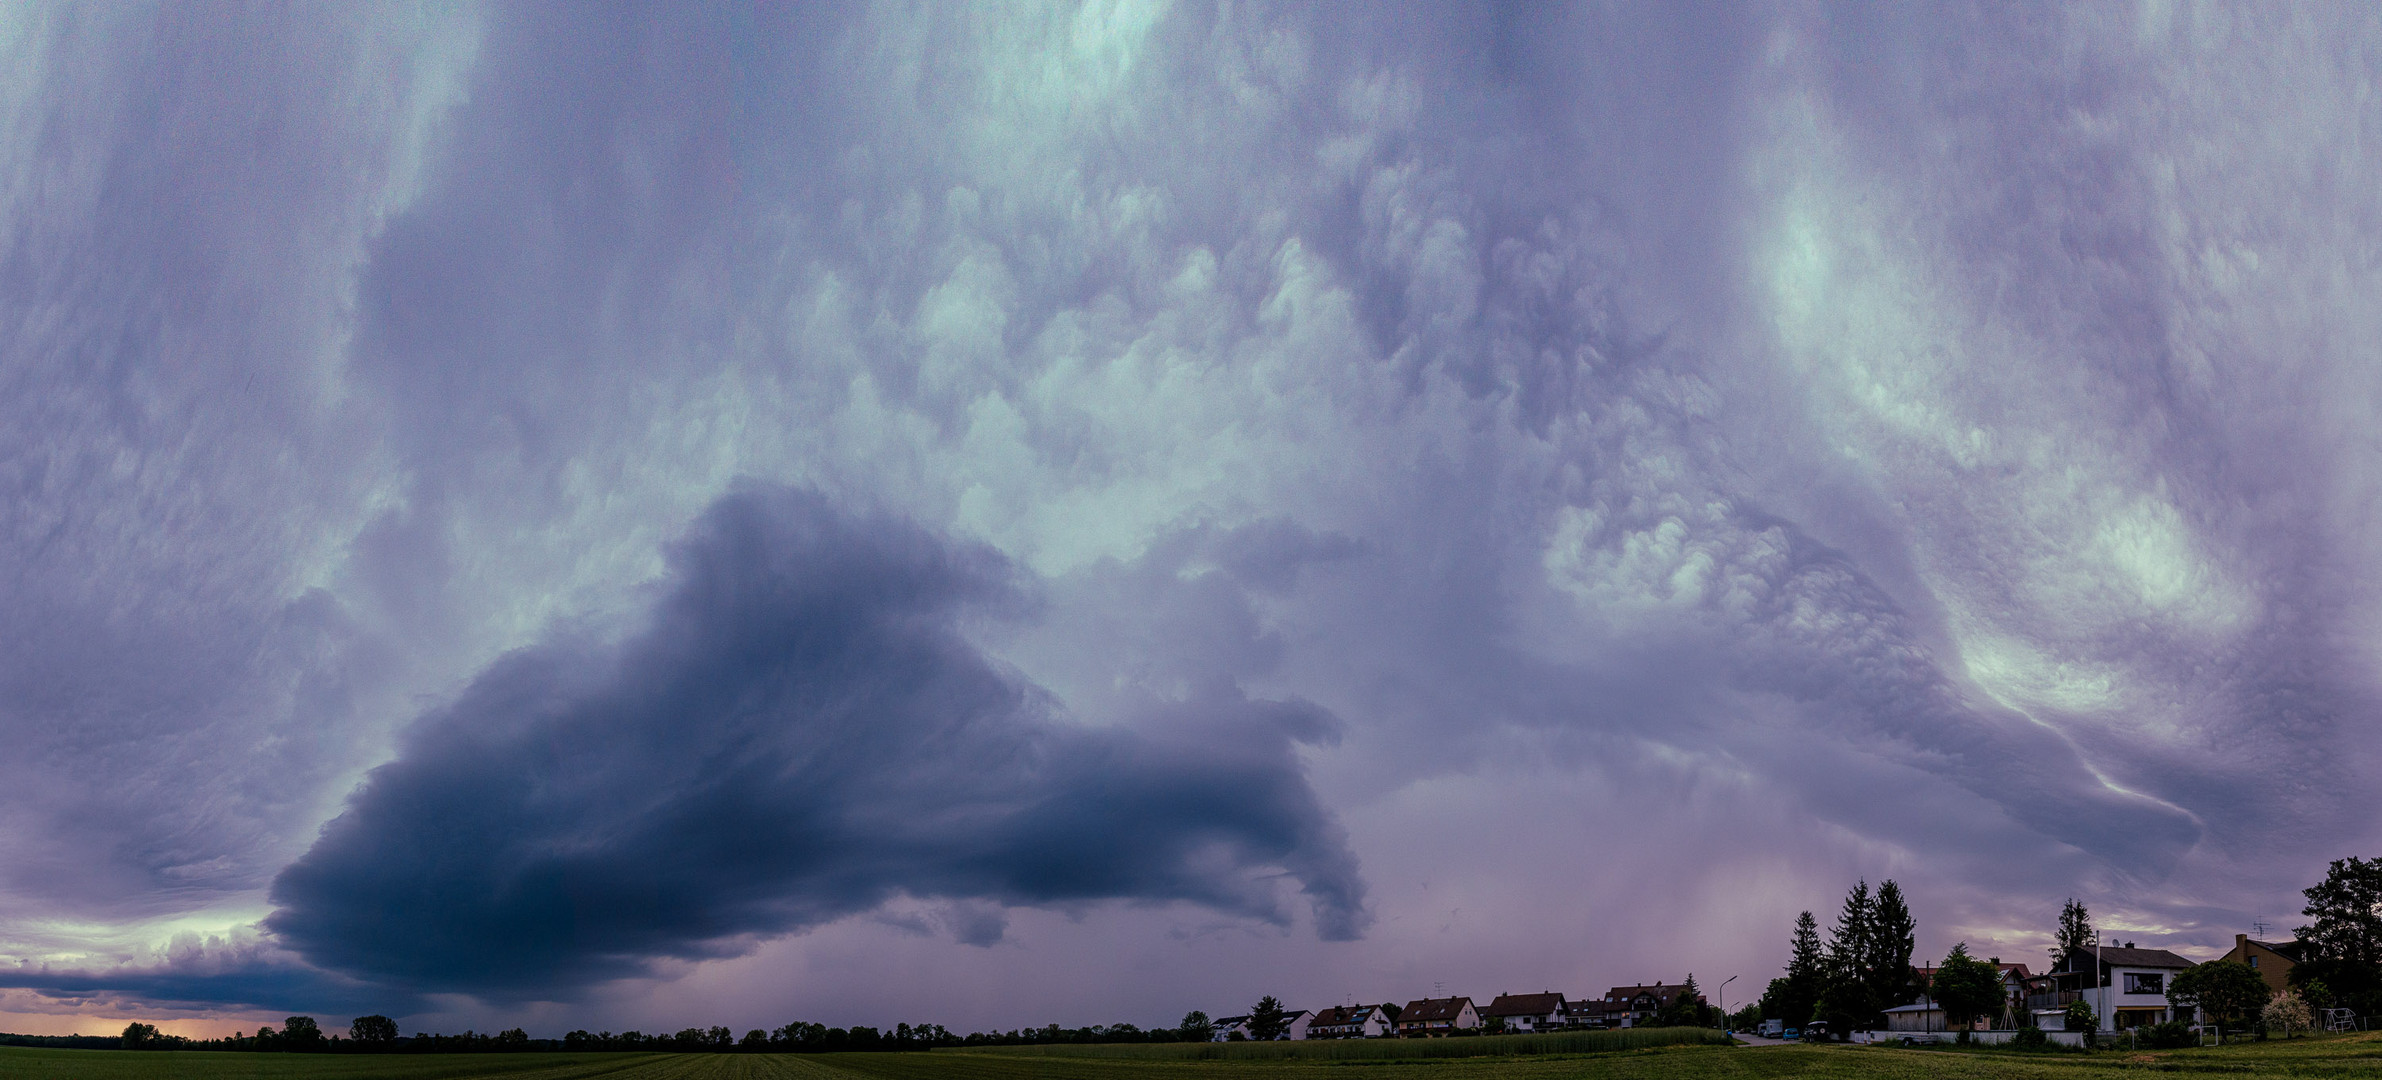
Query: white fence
x=1983, y=1038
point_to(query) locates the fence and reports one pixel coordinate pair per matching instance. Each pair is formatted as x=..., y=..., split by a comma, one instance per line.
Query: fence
x=1980, y=1038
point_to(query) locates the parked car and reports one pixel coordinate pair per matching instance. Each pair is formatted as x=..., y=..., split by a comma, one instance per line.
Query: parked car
x=1790, y=1034
x=1815, y=1031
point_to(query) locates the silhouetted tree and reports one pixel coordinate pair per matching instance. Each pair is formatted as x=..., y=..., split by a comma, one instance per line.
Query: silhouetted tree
x=1790, y=997
x=1267, y=1020
x=2075, y=933
x=139, y=1036
x=1893, y=936
x=374, y=1032
x=302, y=1033
x=2221, y=988
x=2347, y=907
x=1196, y=1027
x=1966, y=987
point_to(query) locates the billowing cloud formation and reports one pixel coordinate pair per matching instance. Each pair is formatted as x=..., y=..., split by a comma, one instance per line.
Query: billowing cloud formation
x=800, y=733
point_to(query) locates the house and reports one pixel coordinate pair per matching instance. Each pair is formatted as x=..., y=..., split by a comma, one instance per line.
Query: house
x=1432, y=1017
x=1229, y=1026
x=2272, y=960
x=2016, y=982
x=1587, y=1014
x=1530, y=1012
x=2126, y=986
x=1353, y=1022
x=1629, y=1006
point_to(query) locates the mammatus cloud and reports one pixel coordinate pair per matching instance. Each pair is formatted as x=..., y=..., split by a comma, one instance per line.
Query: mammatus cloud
x=799, y=732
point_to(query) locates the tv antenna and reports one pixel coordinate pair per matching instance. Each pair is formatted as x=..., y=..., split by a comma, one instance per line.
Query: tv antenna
x=2258, y=927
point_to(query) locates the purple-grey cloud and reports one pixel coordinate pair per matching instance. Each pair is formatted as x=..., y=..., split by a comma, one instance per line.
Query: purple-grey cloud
x=799, y=734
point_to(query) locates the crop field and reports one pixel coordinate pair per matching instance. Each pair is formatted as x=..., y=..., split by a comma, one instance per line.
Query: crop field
x=2317, y=1058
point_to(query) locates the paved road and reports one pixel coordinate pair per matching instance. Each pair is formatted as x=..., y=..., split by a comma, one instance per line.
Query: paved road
x=1757, y=1040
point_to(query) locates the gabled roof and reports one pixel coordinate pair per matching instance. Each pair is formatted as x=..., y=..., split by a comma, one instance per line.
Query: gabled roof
x=2288, y=950
x=1525, y=1004
x=2150, y=958
x=1339, y=1014
x=1661, y=992
x=1447, y=1008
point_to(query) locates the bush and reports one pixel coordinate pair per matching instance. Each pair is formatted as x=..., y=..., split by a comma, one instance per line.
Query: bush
x=2172, y=1035
x=2030, y=1038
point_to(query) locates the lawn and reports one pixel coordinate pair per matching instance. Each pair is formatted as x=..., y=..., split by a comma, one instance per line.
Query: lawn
x=2302, y=1059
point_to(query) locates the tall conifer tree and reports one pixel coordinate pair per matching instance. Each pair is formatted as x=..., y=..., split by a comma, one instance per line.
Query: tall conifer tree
x=1806, y=973
x=2075, y=932
x=1850, y=945
x=1893, y=937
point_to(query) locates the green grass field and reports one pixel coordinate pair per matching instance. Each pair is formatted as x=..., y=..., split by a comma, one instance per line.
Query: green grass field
x=2316, y=1058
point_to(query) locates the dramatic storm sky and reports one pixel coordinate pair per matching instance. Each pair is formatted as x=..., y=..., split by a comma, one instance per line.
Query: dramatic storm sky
x=636, y=517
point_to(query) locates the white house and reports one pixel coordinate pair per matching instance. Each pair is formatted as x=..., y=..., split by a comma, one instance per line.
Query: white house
x=2126, y=986
x=1530, y=1012
x=1351, y=1022
x=1227, y=1025
x=1437, y=1016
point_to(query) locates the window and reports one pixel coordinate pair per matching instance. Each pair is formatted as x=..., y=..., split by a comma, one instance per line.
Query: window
x=2253, y=961
x=2138, y=982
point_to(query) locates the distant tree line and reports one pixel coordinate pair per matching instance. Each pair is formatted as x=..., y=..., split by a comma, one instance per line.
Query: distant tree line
x=378, y=1035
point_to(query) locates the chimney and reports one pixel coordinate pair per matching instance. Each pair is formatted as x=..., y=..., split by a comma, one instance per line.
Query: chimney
x=2241, y=943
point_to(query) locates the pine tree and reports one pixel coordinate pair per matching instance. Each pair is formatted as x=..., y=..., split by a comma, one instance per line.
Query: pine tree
x=1893, y=937
x=1850, y=944
x=1847, y=1001
x=2075, y=932
x=1687, y=1007
x=1267, y=1020
x=1806, y=972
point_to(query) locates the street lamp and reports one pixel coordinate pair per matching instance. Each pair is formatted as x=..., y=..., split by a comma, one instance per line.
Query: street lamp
x=1723, y=992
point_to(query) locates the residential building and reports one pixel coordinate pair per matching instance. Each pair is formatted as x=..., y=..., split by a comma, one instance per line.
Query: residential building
x=1530, y=1012
x=2272, y=960
x=1590, y=1014
x=1629, y=1006
x=2126, y=986
x=1227, y=1026
x=1431, y=1017
x=1353, y=1022
x=1300, y=1023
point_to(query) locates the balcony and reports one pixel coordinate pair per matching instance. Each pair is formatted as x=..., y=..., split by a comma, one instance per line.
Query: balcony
x=2057, y=999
